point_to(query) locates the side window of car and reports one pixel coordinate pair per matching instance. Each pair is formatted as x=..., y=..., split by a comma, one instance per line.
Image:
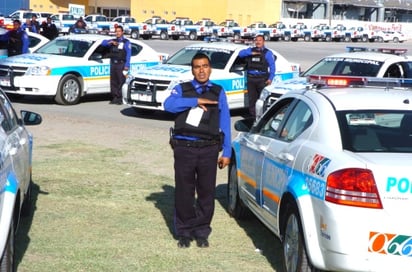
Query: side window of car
x=136, y=49
x=395, y=70
x=299, y=120
x=8, y=117
x=272, y=122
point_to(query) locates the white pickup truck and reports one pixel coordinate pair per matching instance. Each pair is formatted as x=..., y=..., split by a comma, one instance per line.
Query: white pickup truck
x=97, y=23
x=129, y=24
x=63, y=22
x=159, y=27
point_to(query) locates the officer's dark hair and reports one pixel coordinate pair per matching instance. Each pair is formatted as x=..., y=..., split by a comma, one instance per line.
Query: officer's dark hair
x=200, y=56
x=17, y=21
x=119, y=26
x=260, y=35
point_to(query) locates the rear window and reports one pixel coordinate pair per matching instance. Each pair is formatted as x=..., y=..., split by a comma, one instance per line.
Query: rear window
x=345, y=66
x=376, y=131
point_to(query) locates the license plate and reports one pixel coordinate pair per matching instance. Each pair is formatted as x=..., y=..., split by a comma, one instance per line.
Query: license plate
x=142, y=97
x=5, y=81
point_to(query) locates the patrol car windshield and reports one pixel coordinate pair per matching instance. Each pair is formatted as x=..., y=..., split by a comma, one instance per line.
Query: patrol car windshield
x=66, y=47
x=218, y=57
x=376, y=131
x=345, y=66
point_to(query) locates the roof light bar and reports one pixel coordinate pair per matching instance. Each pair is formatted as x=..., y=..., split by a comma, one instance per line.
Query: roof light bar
x=394, y=51
x=347, y=81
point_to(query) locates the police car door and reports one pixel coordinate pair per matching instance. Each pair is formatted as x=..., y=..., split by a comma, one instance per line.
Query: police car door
x=17, y=143
x=279, y=163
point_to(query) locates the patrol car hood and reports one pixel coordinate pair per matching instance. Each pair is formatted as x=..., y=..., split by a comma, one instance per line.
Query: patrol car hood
x=36, y=59
x=167, y=71
x=282, y=87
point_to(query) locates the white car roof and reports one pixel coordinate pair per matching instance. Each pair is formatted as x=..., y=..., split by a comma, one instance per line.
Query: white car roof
x=375, y=56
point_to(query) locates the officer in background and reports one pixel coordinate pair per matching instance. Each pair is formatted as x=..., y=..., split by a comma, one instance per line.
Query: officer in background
x=260, y=70
x=120, y=53
x=34, y=24
x=49, y=29
x=202, y=118
x=17, y=38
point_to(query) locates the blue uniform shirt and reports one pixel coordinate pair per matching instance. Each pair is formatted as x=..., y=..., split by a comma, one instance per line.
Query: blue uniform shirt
x=175, y=103
x=126, y=45
x=268, y=56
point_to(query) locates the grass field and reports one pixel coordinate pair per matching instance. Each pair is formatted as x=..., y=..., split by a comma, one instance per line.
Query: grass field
x=111, y=209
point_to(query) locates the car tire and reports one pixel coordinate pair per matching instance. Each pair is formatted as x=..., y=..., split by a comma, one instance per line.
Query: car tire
x=328, y=38
x=7, y=262
x=164, y=36
x=396, y=40
x=192, y=36
x=235, y=206
x=68, y=91
x=266, y=37
x=26, y=206
x=307, y=38
x=134, y=35
x=293, y=244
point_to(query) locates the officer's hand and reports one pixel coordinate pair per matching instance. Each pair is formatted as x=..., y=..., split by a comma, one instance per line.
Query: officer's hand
x=222, y=162
x=203, y=101
x=268, y=82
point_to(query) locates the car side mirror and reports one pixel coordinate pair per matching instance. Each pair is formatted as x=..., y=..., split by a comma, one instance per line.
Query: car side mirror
x=244, y=125
x=96, y=56
x=30, y=118
x=237, y=68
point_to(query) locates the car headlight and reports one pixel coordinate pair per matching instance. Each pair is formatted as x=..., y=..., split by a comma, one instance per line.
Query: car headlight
x=38, y=71
x=173, y=83
x=264, y=94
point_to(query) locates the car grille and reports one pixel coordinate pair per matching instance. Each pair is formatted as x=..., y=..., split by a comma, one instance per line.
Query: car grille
x=14, y=70
x=148, y=85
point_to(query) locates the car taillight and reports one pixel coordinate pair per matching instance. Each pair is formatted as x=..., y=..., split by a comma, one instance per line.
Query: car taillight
x=173, y=28
x=145, y=27
x=353, y=187
x=202, y=29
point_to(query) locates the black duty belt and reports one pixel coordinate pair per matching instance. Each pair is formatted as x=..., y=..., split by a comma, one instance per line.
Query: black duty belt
x=257, y=75
x=117, y=61
x=195, y=143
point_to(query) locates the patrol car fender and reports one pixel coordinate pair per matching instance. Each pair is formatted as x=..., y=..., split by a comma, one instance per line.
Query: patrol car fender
x=38, y=85
x=299, y=191
x=8, y=193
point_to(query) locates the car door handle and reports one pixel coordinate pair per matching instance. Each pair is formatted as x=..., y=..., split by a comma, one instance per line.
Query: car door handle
x=262, y=148
x=286, y=157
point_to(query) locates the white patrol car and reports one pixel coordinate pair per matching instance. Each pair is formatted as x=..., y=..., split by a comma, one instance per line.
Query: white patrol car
x=357, y=61
x=35, y=41
x=149, y=89
x=16, y=145
x=69, y=67
x=327, y=170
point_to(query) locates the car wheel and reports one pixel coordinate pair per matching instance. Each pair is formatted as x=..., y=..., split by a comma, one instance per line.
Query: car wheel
x=68, y=91
x=26, y=207
x=266, y=37
x=236, y=36
x=365, y=39
x=7, y=262
x=287, y=38
x=396, y=40
x=293, y=244
x=328, y=38
x=164, y=36
x=348, y=39
x=235, y=206
x=146, y=37
x=192, y=36
x=307, y=38
x=380, y=39
x=134, y=35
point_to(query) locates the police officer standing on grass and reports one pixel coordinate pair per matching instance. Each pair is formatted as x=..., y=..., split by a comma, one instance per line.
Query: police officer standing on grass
x=17, y=38
x=260, y=70
x=120, y=53
x=202, y=128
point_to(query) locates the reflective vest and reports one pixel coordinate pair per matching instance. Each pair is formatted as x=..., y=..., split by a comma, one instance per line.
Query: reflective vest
x=209, y=126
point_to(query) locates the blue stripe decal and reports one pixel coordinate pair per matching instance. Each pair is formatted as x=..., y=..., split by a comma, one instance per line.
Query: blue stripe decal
x=12, y=184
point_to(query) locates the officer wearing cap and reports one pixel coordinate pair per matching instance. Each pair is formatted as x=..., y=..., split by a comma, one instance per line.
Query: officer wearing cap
x=260, y=70
x=120, y=53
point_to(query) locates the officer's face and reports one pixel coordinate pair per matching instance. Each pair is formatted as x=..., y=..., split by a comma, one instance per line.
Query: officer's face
x=259, y=41
x=201, y=70
x=119, y=32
